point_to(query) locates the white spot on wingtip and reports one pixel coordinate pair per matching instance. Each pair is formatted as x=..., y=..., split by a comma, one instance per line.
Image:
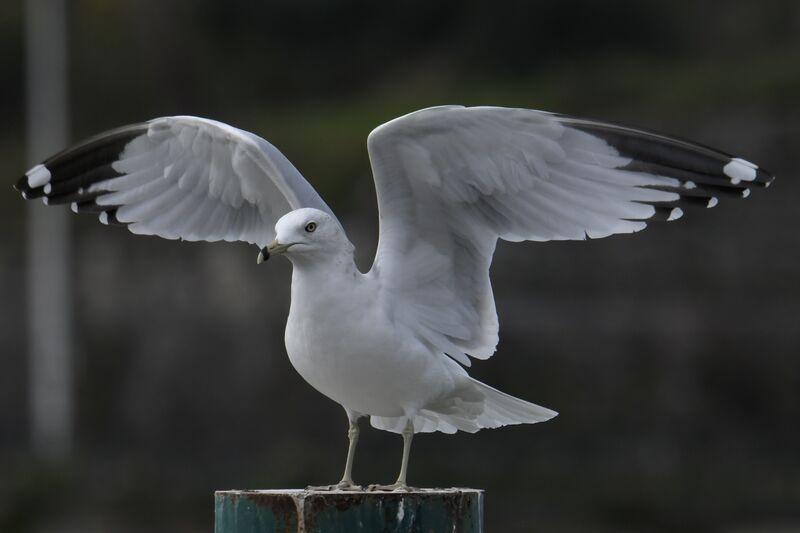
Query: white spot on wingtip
x=740, y=170
x=745, y=193
x=675, y=214
x=746, y=162
x=45, y=201
x=104, y=218
x=712, y=202
x=38, y=176
x=48, y=188
x=74, y=207
x=24, y=195
x=690, y=185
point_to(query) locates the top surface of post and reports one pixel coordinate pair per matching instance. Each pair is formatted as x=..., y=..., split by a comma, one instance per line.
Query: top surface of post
x=315, y=511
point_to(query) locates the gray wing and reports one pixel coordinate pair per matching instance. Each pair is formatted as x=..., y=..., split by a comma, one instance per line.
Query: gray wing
x=452, y=180
x=179, y=178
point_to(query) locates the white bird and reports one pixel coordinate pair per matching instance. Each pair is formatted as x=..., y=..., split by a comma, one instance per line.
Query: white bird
x=393, y=343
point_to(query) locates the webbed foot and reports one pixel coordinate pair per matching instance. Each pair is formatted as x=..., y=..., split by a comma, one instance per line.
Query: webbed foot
x=394, y=487
x=342, y=485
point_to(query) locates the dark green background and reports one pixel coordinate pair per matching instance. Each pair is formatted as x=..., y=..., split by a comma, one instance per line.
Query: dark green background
x=673, y=356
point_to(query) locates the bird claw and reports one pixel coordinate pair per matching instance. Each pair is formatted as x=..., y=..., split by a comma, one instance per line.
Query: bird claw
x=342, y=485
x=348, y=487
x=394, y=487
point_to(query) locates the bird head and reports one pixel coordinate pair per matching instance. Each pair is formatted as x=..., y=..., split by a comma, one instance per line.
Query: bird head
x=305, y=233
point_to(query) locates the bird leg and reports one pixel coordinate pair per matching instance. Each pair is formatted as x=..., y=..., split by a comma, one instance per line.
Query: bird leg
x=352, y=437
x=400, y=484
x=347, y=479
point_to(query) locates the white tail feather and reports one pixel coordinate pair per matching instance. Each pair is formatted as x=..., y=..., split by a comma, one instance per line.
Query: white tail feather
x=496, y=409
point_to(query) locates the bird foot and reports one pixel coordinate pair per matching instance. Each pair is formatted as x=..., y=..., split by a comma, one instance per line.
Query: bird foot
x=342, y=485
x=394, y=487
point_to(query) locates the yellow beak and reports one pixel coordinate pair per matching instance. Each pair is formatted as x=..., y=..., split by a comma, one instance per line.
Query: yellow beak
x=272, y=248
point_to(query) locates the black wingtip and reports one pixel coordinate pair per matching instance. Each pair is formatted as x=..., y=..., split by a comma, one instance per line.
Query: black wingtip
x=764, y=177
x=28, y=193
x=687, y=161
x=21, y=185
x=70, y=176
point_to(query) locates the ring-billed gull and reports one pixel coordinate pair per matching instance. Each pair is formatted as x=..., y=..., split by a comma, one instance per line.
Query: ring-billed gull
x=393, y=343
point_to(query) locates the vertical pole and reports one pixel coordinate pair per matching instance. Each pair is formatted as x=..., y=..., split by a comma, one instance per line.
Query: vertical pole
x=49, y=305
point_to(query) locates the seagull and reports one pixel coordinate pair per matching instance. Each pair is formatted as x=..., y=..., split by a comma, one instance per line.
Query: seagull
x=394, y=343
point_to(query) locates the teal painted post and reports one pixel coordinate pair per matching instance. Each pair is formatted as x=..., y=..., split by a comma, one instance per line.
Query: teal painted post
x=308, y=511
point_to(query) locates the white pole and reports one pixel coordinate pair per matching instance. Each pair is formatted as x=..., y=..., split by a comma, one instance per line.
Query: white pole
x=49, y=296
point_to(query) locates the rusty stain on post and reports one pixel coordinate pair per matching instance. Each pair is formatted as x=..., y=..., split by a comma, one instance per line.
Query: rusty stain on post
x=307, y=511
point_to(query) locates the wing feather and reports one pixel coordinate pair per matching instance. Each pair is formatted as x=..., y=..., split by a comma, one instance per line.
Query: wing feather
x=177, y=177
x=452, y=180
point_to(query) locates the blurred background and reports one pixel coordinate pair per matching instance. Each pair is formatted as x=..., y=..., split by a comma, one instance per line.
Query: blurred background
x=671, y=355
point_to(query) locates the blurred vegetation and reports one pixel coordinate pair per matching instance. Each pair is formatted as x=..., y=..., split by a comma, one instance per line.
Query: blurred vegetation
x=672, y=356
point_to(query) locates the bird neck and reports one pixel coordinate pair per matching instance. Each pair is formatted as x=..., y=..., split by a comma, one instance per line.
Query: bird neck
x=323, y=284
x=324, y=267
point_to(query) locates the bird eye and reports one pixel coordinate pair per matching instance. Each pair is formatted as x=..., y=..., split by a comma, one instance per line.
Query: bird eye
x=311, y=226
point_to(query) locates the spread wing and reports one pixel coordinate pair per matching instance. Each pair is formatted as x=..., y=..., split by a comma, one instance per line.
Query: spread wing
x=452, y=180
x=179, y=178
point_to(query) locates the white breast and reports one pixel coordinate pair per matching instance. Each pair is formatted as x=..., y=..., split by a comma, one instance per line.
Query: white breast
x=341, y=343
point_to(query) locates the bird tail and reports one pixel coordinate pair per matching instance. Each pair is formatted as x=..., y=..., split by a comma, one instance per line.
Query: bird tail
x=477, y=406
x=501, y=409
